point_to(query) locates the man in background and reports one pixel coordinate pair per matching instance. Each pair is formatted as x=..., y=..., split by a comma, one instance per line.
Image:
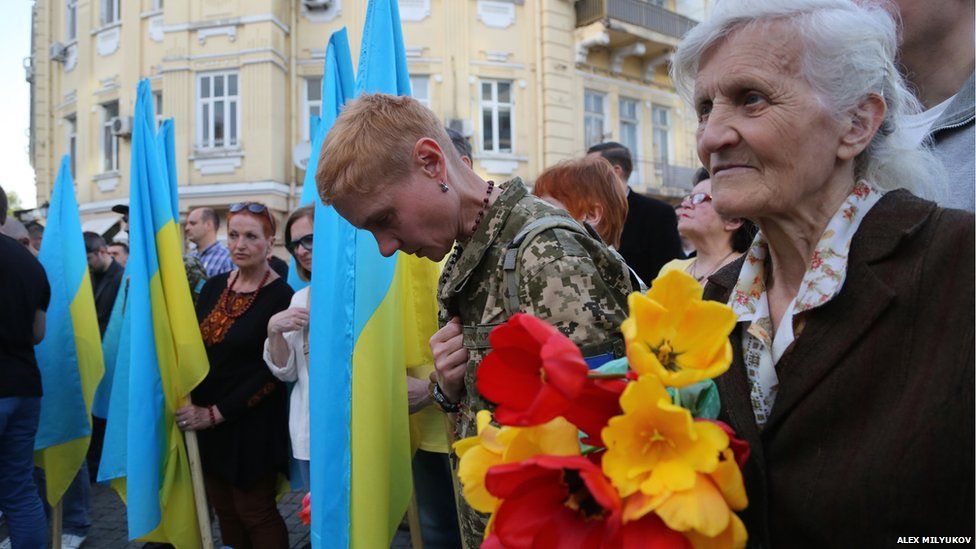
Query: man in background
x=936, y=53
x=119, y=252
x=650, y=237
x=106, y=277
x=17, y=231
x=201, y=229
x=36, y=232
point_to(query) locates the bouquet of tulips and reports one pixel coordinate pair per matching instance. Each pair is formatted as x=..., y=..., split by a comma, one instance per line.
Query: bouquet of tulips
x=630, y=455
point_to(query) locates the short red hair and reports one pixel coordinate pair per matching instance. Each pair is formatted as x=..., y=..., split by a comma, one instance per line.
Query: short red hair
x=583, y=182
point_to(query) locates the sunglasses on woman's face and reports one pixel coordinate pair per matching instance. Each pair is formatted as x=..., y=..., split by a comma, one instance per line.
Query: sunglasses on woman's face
x=697, y=198
x=254, y=208
x=304, y=242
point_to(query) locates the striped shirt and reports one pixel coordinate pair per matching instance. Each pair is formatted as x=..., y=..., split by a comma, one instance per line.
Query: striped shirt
x=215, y=259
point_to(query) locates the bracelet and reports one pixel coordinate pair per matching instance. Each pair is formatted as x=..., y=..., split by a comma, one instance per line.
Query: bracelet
x=213, y=418
x=441, y=399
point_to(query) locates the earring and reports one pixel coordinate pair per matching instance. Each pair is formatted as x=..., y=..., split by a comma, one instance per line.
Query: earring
x=444, y=187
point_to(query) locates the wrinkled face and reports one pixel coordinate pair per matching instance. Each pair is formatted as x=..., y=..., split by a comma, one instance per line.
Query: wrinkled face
x=695, y=220
x=301, y=228
x=247, y=242
x=763, y=134
x=195, y=228
x=412, y=216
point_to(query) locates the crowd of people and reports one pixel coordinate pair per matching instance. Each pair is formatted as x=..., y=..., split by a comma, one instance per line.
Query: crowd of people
x=832, y=212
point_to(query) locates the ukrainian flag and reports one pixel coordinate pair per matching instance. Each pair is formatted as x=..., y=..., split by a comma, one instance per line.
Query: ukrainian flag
x=70, y=356
x=338, y=86
x=364, y=333
x=167, y=358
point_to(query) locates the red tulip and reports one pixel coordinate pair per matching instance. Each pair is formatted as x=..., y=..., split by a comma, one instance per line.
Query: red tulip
x=533, y=372
x=550, y=501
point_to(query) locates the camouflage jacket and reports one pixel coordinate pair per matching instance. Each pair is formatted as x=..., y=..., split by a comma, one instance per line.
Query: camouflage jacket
x=196, y=275
x=568, y=279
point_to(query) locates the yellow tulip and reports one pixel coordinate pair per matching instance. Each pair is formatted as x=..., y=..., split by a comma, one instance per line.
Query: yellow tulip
x=672, y=334
x=493, y=446
x=656, y=447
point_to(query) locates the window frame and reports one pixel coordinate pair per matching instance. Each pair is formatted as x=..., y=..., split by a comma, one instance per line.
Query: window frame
x=230, y=140
x=71, y=141
x=592, y=115
x=668, y=156
x=70, y=20
x=110, y=12
x=110, y=155
x=416, y=79
x=495, y=106
x=308, y=104
x=635, y=147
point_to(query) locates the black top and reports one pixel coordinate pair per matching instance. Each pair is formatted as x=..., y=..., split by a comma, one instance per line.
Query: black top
x=650, y=237
x=24, y=290
x=105, y=286
x=253, y=441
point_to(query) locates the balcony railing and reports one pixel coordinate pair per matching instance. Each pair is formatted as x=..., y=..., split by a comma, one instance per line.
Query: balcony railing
x=635, y=12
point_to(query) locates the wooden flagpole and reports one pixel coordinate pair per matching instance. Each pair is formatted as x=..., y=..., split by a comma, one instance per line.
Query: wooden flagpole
x=199, y=492
x=56, y=514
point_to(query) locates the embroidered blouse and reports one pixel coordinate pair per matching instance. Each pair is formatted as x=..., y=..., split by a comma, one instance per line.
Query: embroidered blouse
x=822, y=281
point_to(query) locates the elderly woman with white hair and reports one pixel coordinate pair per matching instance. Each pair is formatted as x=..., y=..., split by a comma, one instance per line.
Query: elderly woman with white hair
x=852, y=374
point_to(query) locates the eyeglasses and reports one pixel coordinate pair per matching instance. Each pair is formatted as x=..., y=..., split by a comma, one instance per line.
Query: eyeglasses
x=697, y=198
x=254, y=208
x=304, y=242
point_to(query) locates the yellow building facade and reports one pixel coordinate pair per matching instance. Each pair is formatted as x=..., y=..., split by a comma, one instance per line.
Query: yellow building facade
x=531, y=82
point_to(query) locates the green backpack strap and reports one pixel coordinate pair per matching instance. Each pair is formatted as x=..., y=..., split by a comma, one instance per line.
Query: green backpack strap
x=513, y=253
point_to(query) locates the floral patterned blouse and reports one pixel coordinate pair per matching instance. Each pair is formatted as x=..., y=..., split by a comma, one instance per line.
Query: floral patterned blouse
x=822, y=281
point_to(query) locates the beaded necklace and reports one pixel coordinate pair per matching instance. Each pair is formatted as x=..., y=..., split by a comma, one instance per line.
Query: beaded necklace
x=458, y=249
x=216, y=325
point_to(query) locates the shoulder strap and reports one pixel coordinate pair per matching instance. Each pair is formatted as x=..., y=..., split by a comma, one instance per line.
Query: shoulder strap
x=510, y=261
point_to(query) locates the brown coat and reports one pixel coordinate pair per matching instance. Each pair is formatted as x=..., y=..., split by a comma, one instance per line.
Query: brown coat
x=872, y=434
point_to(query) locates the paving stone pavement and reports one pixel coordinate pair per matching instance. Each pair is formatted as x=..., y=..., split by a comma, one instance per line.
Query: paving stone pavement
x=109, y=529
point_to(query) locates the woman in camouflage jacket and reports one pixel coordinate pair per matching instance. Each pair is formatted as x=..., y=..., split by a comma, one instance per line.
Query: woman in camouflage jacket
x=388, y=167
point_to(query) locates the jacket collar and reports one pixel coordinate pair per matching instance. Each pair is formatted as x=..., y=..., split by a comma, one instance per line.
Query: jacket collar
x=820, y=348
x=495, y=218
x=962, y=109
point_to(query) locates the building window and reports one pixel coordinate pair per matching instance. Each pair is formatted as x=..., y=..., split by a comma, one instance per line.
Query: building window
x=218, y=110
x=661, y=119
x=158, y=105
x=594, y=117
x=420, y=88
x=313, y=104
x=496, y=116
x=630, y=131
x=71, y=20
x=157, y=5
x=71, y=140
x=110, y=12
x=110, y=142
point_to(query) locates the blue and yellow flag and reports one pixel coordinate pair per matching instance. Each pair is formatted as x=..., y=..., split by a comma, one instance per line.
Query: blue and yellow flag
x=167, y=358
x=363, y=335
x=338, y=86
x=70, y=356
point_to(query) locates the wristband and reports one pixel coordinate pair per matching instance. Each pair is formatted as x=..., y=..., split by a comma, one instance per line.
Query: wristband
x=213, y=418
x=442, y=400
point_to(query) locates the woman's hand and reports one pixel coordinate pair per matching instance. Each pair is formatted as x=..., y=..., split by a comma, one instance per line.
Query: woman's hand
x=288, y=320
x=195, y=418
x=450, y=359
x=418, y=394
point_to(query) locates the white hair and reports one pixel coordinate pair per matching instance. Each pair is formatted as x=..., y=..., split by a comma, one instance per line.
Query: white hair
x=849, y=50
